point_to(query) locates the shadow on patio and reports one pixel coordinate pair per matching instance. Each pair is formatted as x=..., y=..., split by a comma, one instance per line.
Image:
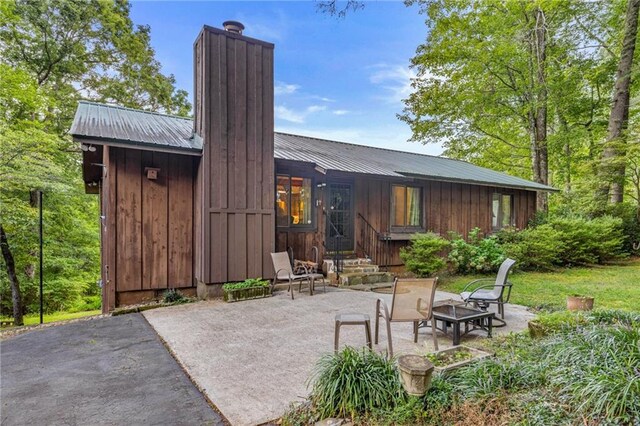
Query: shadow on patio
x=253, y=358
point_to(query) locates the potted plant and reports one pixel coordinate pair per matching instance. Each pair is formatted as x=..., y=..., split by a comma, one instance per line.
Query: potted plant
x=455, y=357
x=415, y=374
x=577, y=302
x=252, y=288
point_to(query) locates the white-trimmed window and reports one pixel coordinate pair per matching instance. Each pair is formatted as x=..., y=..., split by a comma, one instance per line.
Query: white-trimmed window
x=406, y=208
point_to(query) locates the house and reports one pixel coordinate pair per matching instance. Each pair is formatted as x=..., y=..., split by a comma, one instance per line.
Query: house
x=192, y=204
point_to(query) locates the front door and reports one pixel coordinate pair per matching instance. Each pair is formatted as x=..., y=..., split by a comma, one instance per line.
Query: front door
x=340, y=214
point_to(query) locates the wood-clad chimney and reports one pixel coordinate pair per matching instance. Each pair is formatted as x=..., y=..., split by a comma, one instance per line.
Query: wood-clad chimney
x=235, y=217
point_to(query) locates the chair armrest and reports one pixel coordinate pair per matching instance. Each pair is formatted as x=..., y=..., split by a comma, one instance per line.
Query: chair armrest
x=482, y=287
x=282, y=269
x=477, y=281
x=382, y=308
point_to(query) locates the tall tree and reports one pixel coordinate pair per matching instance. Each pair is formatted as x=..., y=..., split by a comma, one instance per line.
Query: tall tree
x=53, y=53
x=613, y=162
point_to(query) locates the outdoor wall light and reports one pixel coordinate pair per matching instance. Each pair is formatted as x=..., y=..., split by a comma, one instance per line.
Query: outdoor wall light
x=151, y=172
x=86, y=148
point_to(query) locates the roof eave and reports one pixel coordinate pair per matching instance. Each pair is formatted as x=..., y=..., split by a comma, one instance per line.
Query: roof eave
x=145, y=146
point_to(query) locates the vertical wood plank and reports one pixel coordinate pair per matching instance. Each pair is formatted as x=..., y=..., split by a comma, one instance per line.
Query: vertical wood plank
x=180, y=190
x=154, y=222
x=129, y=221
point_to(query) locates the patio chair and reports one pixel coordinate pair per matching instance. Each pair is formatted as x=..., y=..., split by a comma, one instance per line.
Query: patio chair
x=284, y=272
x=412, y=301
x=484, y=295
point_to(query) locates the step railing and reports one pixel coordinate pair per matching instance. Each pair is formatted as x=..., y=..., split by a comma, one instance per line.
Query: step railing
x=374, y=244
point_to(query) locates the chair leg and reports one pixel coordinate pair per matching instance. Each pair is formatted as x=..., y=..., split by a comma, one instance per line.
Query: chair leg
x=291, y=288
x=367, y=325
x=415, y=332
x=433, y=333
x=336, y=336
x=389, y=337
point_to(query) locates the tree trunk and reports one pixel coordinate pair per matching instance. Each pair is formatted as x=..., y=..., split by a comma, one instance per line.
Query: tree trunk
x=13, y=278
x=540, y=55
x=612, y=162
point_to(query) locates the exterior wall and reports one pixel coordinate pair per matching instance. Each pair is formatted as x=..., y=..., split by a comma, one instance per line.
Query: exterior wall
x=235, y=224
x=447, y=207
x=147, y=232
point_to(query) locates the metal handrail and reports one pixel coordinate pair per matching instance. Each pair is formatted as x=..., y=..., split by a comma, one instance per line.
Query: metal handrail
x=374, y=244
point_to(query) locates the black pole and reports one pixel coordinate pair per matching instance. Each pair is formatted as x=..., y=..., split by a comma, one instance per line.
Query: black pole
x=40, y=229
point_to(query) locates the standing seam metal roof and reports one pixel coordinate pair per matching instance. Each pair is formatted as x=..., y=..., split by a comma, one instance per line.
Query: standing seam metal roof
x=136, y=127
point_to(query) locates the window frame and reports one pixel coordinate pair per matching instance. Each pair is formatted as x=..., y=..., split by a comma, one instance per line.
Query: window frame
x=305, y=226
x=500, y=215
x=406, y=228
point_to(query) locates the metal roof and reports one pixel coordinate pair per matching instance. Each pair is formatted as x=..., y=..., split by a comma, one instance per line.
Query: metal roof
x=347, y=157
x=158, y=131
x=118, y=124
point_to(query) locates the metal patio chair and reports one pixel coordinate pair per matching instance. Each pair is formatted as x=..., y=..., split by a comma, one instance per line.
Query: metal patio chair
x=412, y=301
x=284, y=272
x=484, y=295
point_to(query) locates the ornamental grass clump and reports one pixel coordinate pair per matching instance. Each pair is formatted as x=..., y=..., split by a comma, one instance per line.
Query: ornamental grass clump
x=355, y=382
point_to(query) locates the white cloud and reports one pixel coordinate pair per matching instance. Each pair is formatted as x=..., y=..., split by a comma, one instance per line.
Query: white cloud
x=341, y=112
x=296, y=116
x=395, y=80
x=284, y=88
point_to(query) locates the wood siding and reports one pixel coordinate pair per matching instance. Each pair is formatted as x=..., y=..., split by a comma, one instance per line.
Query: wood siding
x=235, y=226
x=147, y=232
x=447, y=206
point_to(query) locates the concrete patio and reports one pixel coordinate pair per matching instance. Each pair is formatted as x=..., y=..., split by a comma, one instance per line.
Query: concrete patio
x=253, y=358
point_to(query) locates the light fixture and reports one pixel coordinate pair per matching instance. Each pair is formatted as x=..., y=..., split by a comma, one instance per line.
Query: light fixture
x=89, y=148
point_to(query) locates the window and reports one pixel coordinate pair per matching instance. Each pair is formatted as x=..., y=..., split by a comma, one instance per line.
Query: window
x=406, y=207
x=293, y=201
x=502, y=216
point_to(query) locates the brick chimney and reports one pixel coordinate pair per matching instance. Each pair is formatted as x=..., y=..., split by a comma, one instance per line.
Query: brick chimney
x=233, y=106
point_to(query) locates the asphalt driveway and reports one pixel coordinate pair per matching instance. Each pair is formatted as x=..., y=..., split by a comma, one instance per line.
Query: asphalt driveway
x=107, y=371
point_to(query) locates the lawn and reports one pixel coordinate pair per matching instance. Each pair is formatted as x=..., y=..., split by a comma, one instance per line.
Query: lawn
x=613, y=286
x=33, y=319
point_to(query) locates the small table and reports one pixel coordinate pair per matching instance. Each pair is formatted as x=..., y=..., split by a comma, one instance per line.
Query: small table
x=352, y=319
x=453, y=314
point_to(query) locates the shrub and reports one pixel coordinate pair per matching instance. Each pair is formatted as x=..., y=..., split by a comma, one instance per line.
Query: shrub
x=589, y=241
x=248, y=283
x=353, y=382
x=538, y=248
x=422, y=256
x=477, y=254
x=173, y=296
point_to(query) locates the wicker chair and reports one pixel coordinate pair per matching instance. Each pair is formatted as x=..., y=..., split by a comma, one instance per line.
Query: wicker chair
x=412, y=301
x=481, y=296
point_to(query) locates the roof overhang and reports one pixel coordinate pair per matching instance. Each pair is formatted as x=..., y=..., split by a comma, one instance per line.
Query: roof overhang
x=128, y=144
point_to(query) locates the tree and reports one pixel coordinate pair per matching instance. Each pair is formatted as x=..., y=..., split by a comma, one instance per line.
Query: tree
x=516, y=86
x=613, y=161
x=53, y=54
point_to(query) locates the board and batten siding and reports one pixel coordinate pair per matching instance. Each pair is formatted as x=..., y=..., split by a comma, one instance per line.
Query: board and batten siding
x=147, y=234
x=235, y=223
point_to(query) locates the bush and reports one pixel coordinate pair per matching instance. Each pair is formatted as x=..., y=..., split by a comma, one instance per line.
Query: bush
x=353, y=382
x=422, y=256
x=538, y=248
x=630, y=216
x=248, y=283
x=589, y=241
x=174, y=297
x=477, y=254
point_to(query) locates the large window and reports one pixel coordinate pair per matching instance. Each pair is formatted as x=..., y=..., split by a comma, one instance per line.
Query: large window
x=293, y=201
x=406, y=207
x=502, y=214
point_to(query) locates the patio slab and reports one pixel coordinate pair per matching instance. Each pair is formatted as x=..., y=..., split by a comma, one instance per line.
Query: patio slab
x=253, y=358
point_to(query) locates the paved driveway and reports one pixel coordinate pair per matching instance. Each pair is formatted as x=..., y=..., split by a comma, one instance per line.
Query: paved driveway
x=107, y=371
x=253, y=358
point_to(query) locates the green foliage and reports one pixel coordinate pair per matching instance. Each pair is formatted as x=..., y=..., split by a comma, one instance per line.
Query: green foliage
x=248, y=283
x=477, y=254
x=354, y=382
x=174, y=297
x=589, y=241
x=538, y=248
x=422, y=256
x=53, y=54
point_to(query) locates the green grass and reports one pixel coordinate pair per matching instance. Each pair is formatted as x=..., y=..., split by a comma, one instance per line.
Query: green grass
x=613, y=286
x=33, y=319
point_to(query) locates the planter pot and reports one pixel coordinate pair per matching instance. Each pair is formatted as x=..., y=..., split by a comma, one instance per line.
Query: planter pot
x=236, y=295
x=415, y=374
x=476, y=354
x=579, y=303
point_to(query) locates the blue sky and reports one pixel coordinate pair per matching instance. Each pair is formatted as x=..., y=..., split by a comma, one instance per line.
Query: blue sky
x=340, y=79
